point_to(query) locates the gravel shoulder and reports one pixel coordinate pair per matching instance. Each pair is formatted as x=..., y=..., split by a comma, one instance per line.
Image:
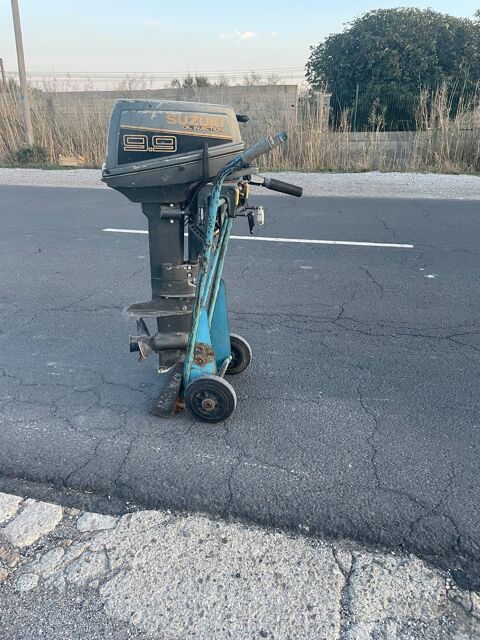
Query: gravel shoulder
x=65, y=574
x=385, y=185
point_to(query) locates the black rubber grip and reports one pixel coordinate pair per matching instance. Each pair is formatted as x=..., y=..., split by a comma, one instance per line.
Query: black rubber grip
x=283, y=187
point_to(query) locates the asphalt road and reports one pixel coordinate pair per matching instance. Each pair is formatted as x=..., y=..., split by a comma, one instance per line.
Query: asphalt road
x=358, y=417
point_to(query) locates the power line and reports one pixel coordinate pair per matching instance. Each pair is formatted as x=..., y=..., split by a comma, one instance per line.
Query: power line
x=105, y=80
x=155, y=73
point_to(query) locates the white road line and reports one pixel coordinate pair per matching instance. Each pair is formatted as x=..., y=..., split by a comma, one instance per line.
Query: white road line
x=350, y=243
x=127, y=231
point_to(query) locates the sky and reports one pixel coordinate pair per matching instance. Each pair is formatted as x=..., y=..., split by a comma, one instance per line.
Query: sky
x=173, y=38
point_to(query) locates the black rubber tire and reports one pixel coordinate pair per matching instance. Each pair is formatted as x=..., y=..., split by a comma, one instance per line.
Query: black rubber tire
x=241, y=355
x=210, y=398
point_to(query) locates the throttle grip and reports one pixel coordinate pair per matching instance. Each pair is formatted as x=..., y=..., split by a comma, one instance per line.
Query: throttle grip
x=262, y=146
x=283, y=187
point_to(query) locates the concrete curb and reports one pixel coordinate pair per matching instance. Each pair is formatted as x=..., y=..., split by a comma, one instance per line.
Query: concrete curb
x=162, y=575
x=370, y=184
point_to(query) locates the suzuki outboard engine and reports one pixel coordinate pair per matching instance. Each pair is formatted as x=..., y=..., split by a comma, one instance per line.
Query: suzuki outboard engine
x=159, y=154
x=168, y=156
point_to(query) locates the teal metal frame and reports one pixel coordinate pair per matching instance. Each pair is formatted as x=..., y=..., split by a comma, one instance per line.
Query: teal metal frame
x=208, y=350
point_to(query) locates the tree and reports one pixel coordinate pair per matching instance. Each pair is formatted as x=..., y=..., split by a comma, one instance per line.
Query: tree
x=396, y=51
x=222, y=81
x=272, y=79
x=190, y=82
x=202, y=81
x=251, y=79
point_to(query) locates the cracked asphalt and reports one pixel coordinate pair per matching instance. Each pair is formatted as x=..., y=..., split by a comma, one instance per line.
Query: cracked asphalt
x=358, y=417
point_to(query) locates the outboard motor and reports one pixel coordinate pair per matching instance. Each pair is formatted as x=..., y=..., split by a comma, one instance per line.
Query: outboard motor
x=188, y=167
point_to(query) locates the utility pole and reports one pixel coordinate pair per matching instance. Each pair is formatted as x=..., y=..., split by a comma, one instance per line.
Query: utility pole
x=4, y=77
x=355, y=109
x=22, y=74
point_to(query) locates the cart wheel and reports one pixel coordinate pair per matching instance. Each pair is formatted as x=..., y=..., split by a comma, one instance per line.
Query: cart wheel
x=210, y=398
x=241, y=355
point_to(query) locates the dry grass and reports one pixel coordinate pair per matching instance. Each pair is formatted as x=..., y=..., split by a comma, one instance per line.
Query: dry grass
x=449, y=142
x=442, y=142
x=81, y=133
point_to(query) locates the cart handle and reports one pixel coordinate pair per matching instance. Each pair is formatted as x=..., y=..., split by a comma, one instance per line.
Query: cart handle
x=284, y=187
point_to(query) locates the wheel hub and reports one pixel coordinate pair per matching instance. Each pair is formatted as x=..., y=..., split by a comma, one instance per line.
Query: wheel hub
x=209, y=404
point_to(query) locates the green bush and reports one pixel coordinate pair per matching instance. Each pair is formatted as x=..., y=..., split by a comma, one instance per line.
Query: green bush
x=34, y=156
